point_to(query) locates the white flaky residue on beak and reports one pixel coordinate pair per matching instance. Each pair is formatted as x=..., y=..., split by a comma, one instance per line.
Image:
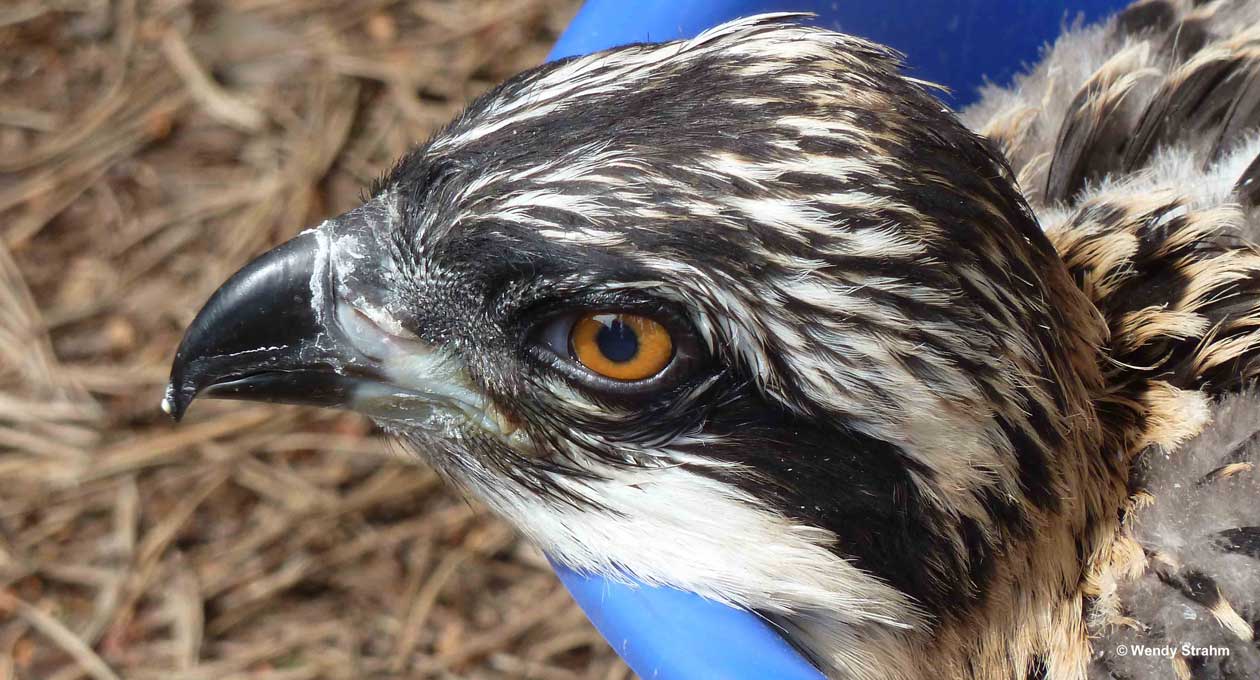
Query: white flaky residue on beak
x=168, y=400
x=319, y=278
x=419, y=385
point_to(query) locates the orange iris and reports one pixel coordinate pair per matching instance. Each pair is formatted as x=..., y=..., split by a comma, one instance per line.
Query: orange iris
x=621, y=346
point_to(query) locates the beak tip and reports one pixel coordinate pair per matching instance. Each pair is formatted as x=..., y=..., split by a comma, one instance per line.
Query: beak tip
x=173, y=406
x=272, y=294
x=267, y=334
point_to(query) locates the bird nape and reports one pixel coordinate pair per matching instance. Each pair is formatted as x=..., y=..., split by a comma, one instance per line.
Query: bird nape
x=753, y=315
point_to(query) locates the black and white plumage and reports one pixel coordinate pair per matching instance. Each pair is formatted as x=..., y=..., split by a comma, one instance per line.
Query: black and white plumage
x=900, y=421
x=1140, y=139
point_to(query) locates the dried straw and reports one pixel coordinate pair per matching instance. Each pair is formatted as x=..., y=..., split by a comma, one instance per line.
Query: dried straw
x=148, y=148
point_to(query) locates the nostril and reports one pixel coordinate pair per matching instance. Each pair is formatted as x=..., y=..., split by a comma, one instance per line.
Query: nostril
x=372, y=333
x=363, y=333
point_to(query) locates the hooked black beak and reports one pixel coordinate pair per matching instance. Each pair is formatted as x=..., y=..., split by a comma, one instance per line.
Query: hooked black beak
x=316, y=322
x=268, y=334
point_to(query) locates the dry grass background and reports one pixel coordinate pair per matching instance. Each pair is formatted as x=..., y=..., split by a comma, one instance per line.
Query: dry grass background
x=148, y=148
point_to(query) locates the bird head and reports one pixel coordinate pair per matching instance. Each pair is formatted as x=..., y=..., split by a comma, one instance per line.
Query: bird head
x=750, y=315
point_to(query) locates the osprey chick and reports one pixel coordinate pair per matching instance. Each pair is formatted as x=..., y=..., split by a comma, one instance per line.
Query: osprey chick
x=753, y=315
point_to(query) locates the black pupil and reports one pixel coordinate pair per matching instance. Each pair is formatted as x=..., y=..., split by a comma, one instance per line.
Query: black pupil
x=617, y=341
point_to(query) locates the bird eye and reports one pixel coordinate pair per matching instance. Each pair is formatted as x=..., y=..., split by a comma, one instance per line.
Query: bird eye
x=621, y=346
x=620, y=353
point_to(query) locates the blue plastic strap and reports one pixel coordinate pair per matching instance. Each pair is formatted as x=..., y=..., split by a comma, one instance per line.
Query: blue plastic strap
x=959, y=44
x=666, y=634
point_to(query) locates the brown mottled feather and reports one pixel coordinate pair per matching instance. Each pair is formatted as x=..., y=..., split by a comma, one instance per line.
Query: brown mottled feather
x=1191, y=97
x=1145, y=16
x=1099, y=122
x=1150, y=127
x=1190, y=35
x=1242, y=540
x=1243, y=114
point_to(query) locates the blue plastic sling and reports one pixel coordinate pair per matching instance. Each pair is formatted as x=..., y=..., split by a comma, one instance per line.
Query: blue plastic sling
x=666, y=634
x=956, y=43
